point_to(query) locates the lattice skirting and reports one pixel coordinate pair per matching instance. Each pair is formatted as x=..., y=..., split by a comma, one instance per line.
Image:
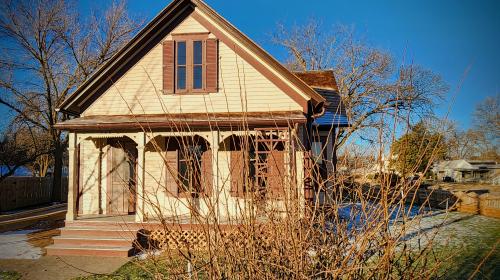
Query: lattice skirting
x=200, y=239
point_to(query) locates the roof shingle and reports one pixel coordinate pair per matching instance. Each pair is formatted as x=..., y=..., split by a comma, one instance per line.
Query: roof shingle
x=324, y=79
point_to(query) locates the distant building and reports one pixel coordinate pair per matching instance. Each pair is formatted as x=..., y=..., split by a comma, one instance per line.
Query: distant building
x=463, y=170
x=371, y=171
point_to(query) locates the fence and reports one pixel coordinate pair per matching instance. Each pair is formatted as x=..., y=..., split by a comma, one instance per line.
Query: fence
x=486, y=204
x=19, y=192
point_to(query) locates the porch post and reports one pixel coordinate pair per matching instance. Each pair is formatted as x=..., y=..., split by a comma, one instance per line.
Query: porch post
x=215, y=177
x=72, y=178
x=141, y=142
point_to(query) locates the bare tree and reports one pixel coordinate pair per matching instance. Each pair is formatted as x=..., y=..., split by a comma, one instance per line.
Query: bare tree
x=370, y=84
x=480, y=141
x=20, y=145
x=486, y=121
x=47, y=51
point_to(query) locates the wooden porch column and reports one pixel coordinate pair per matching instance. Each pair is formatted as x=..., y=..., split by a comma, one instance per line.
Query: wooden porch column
x=72, y=177
x=141, y=142
x=216, y=192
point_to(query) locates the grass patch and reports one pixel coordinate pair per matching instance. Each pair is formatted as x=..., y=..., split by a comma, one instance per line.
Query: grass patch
x=158, y=268
x=484, y=234
x=10, y=275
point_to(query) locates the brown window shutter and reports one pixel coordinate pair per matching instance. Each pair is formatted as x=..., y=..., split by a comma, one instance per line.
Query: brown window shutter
x=171, y=162
x=276, y=175
x=168, y=66
x=237, y=164
x=211, y=68
x=206, y=172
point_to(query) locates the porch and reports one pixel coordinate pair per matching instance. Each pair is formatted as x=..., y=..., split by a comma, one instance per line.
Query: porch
x=148, y=176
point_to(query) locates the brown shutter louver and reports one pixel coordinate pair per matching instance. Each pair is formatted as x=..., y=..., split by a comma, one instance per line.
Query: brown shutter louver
x=168, y=66
x=211, y=67
x=276, y=169
x=206, y=173
x=171, y=166
x=237, y=165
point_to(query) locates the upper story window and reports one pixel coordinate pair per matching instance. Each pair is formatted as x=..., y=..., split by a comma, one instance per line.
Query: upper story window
x=190, y=64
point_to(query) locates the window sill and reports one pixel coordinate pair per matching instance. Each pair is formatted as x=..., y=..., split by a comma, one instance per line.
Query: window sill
x=187, y=93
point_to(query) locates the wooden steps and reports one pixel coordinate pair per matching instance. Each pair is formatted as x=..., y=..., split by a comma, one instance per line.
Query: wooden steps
x=102, y=251
x=92, y=241
x=96, y=238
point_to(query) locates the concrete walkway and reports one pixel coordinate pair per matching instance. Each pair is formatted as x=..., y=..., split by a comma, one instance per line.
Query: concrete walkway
x=62, y=268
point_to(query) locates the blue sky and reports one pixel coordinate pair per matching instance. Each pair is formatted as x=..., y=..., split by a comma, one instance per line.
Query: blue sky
x=446, y=36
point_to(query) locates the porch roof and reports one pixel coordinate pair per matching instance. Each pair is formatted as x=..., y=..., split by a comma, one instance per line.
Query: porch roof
x=134, y=122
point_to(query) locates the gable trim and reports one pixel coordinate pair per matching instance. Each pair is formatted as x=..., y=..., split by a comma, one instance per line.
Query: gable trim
x=279, y=75
x=123, y=56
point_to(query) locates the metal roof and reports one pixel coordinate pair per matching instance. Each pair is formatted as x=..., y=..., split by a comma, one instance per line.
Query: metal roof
x=332, y=119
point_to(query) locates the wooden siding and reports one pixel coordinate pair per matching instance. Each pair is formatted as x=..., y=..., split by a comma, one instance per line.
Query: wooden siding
x=189, y=25
x=154, y=179
x=240, y=88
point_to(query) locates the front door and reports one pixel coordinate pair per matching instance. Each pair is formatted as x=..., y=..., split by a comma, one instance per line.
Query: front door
x=121, y=190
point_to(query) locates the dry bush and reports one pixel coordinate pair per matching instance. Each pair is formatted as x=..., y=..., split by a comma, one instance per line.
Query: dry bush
x=356, y=232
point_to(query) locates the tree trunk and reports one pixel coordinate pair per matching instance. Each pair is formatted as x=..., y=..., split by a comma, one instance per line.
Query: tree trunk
x=57, y=189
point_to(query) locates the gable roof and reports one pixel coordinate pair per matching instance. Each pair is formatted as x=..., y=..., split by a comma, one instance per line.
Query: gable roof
x=158, y=28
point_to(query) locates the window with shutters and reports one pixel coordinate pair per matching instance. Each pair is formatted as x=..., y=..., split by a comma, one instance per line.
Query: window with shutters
x=190, y=64
x=189, y=168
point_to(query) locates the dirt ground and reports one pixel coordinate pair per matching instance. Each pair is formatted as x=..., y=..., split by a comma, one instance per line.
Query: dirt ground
x=67, y=267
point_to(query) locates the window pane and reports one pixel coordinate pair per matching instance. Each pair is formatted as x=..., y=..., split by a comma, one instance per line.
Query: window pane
x=197, y=52
x=181, y=77
x=181, y=53
x=197, y=76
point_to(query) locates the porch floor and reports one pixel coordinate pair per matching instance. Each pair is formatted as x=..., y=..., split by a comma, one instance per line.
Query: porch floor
x=107, y=218
x=180, y=220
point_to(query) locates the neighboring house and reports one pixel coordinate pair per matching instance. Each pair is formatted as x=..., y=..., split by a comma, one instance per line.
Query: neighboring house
x=191, y=92
x=462, y=170
x=373, y=170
